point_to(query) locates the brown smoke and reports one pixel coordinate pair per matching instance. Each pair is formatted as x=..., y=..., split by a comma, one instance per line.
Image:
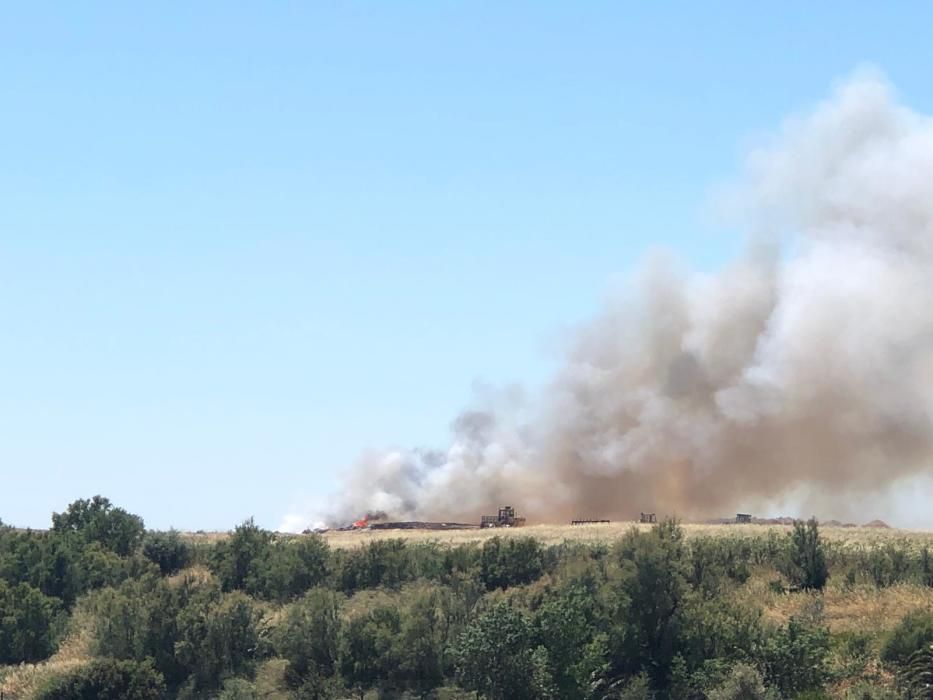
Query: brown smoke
x=805, y=367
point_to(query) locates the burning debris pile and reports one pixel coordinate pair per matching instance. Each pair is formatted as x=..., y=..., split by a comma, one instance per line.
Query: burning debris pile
x=803, y=370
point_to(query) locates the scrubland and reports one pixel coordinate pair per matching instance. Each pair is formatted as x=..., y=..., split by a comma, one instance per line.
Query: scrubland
x=99, y=607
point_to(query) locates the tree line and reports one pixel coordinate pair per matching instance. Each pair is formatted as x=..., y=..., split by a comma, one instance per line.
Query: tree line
x=651, y=615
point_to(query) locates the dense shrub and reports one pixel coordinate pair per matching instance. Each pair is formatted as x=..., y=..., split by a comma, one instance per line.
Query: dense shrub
x=308, y=637
x=292, y=567
x=510, y=562
x=913, y=632
x=804, y=564
x=743, y=683
x=794, y=658
x=380, y=563
x=28, y=622
x=167, y=550
x=652, y=615
x=97, y=520
x=238, y=561
x=369, y=650
x=495, y=656
x=107, y=679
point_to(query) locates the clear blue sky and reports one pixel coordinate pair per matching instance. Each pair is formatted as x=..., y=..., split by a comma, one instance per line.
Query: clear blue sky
x=241, y=242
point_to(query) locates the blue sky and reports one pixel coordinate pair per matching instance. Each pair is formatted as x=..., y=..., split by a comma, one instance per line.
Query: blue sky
x=239, y=243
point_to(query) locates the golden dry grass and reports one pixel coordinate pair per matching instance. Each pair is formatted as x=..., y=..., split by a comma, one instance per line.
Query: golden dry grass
x=555, y=534
x=862, y=608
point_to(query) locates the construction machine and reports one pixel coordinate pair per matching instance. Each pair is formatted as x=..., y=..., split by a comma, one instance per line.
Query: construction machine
x=505, y=518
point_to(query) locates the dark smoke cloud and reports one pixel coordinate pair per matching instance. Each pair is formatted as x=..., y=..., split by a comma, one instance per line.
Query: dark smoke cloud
x=804, y=367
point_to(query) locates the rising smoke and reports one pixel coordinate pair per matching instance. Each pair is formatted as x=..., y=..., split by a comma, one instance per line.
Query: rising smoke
x=806, y=366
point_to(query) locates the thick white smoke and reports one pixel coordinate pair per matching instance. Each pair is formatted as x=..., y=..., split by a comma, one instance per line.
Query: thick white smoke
x=804, y=367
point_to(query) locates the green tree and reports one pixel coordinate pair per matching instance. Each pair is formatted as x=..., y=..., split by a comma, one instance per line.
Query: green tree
x=369, y=653
x=138, y=621
x=421, y=644
x=167, y=550
x=238, y=561
x=380, y=563
x=28, y=623
x=308, y=638
x=566, y=625
x=655, y=592
x=294, y=566
x=97, y=520
x=107, y=679
x=218, y=638
x=793, y=658
x=804, y=564
x=510, y=562
x=494, y=655
x=912, y=633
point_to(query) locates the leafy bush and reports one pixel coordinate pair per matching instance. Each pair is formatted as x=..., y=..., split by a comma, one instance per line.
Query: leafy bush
x=743, y=683
x=380, y=563
x=510, y=562
x=218, y=637
x=167, y=551
x=794, y=658
x=494, y=655
x=97, y=520
x=238, y=561
x=308, y=638
x=107, y=679
x=804, y=564
x=913, y=632
x=28, y=622
x=369, y=650
x=292, y=567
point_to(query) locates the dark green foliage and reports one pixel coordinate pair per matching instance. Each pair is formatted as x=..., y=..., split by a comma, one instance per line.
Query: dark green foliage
x=308, y=638
x=107, y=679
x=651, y=616
x=238, y=689
x=238, y=561
x=567, y=625
x=913, y=632
x=138, y=621
x=794, y=658
x=495, y=656
x=97, y=520
x=292, y=567
x=926, y=567
x=655, y=592
x=369, y=650
x=257, y=562
x=218, y=637
x=380, y=563
x=714, y=560
x=510, y=562
x=167, y=551
x=889, y=565
x=28, y=622
x=805, y=561
x=422, y=644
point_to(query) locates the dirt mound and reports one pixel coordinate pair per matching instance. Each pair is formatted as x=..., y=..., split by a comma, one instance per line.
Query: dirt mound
x=879, y=524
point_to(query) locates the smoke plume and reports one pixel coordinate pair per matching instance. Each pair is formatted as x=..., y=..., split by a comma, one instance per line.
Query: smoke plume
x=804, y=367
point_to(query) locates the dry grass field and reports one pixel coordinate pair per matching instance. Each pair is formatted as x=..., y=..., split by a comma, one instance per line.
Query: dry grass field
x=555, y=534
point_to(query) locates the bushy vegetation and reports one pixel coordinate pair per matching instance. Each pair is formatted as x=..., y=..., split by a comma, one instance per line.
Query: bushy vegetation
x=651, y=615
